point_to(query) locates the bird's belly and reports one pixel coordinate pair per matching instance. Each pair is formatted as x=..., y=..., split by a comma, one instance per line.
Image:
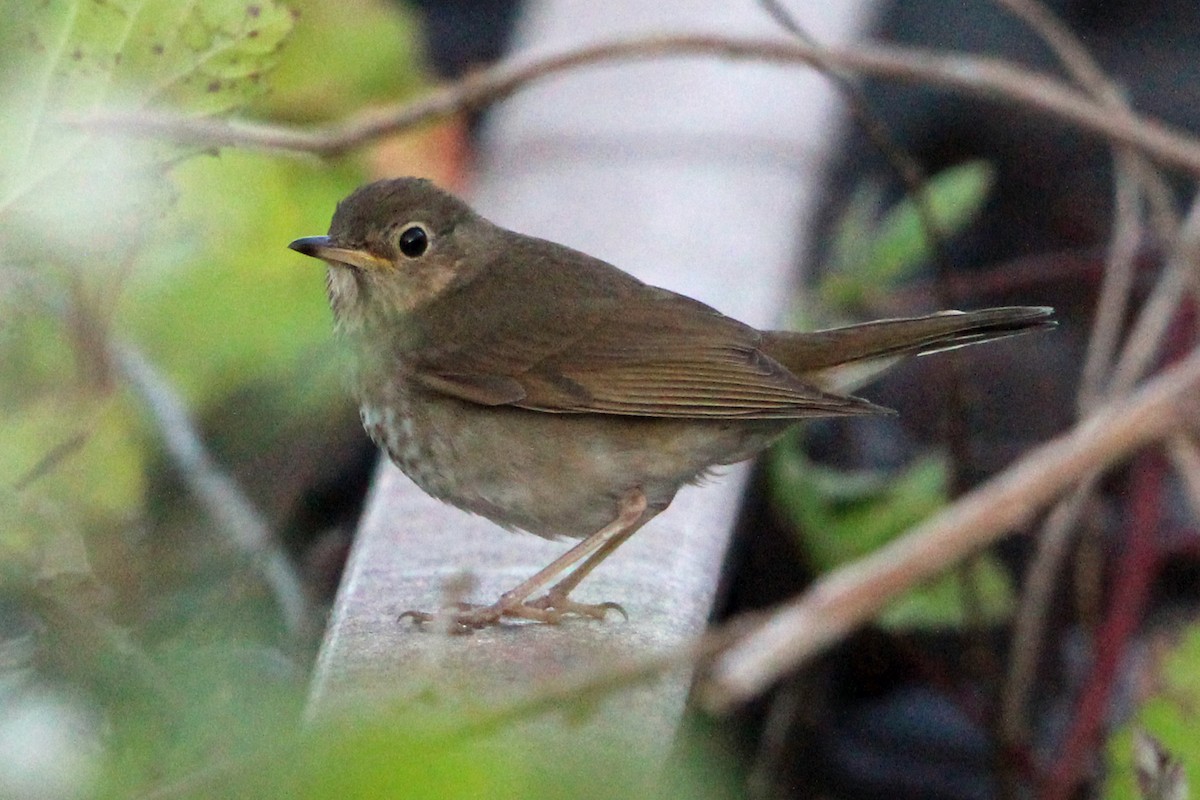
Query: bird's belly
x=549, y=474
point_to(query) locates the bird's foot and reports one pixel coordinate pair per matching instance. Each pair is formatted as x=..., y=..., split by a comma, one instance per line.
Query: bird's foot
x=558, y=603
x=550, y=609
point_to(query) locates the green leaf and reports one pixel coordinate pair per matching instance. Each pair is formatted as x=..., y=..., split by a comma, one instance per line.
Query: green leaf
x=954, y=197
x=414, y=754
x=103, y=475
x=220, y=300
x=846, y=515
x=842, y=516
x=81, y=198
x=1171, y=716
x=873, y=257
x=944, y=603
x=75, y=207
x=363, y=53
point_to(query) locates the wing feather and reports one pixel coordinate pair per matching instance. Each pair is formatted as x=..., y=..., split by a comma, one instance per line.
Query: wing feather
x=608, y=344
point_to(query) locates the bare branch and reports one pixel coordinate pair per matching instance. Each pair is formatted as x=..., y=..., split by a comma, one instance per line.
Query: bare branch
x=1057, y=531
x=984, y=77
x=1029, y=624
x=852, y=595
x=233, y=512
x=1135, y=177
x=1088, y=73
x=1145, y=339
x=911, y=173
x=1117, y=286
x=1185, y=458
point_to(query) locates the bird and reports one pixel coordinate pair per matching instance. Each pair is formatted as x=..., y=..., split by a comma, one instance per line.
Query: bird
x=551, y=392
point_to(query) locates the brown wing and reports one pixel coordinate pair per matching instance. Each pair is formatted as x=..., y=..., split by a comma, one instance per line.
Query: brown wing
x=618, y=347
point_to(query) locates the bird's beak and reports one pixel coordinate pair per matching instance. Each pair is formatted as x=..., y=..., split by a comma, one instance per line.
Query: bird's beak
x=323, y=248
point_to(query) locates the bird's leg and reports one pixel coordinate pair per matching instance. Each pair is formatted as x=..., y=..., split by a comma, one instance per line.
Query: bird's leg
x=554, y=605
x=556, y=596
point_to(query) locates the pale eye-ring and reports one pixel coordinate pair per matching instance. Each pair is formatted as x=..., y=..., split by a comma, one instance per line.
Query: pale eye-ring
x=413, y=241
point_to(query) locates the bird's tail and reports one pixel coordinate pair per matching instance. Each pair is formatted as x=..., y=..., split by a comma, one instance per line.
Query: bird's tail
x=840, y=359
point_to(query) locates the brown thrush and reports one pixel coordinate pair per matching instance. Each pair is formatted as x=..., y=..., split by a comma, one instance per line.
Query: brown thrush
x=549, y=391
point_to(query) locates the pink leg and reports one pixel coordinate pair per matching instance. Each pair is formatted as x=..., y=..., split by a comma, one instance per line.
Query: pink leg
x=554, y=605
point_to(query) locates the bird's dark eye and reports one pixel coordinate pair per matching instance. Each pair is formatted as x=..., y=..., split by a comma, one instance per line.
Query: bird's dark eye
x=414, y=241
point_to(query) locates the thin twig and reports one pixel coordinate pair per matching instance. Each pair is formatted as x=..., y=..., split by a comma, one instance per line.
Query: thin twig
x=990, y=78
x=1185, y=459
x=1088, y=73
x=1117, y=286
x=1084, y=69
x=1056, y=534
x=912, y=176
x=842, y=600
x=1145, y=339
x=911, y=173
x=233, y=512
x=1134, y=176
x=53, y=457
x=1134, y=577
x=1029, y=623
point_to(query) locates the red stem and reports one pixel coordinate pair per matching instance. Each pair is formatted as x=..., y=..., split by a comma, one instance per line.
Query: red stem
x=1134, y=577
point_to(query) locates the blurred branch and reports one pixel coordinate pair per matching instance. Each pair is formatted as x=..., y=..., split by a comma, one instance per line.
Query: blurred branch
x=910, y=172
x=990, y=78
x=1117, y=285
x=912, y=176
x=1133, y=580
x=1057, y=531
x=1053, y=546
x=1055, y=536
x=1088, y=73
x=842, y=600
x=233, y=512
x=1185, y=458
x=1180, y=272
x=49, y=462
x=1135, y=177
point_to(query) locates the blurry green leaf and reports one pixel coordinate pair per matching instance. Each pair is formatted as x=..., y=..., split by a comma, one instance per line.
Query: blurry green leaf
x=414, y=754
x=842, y=516
x=35, y=350
x=870, y=258
x=943, y=603
x=87, y=472
x=365, y=52
x=954, y=196
x=846, y=515
x=219, y=299
x=1170, y=717
x=103, y=476
x=841, y=287
x=82, y=197
x=74, y=209
x=27, y=527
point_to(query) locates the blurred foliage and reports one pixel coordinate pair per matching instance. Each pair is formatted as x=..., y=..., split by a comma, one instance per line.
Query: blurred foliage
x=407, y=753
x=341, y=57
x=1169, y=718
x=842, y=516
x=140, y=651
x=136, y=646
x=873, y=249
x=79, y=212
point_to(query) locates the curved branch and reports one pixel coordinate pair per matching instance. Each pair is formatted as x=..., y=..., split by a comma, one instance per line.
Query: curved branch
x=984, y=77
x=852, y=595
